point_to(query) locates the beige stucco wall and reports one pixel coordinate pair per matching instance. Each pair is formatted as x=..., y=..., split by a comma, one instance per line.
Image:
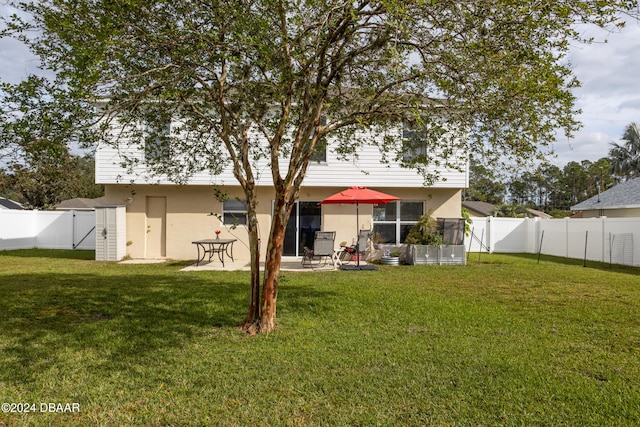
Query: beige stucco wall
x=188, y=219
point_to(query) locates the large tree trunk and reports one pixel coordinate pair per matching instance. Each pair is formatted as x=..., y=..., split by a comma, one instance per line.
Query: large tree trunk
x=252, y=321
x=281, y=212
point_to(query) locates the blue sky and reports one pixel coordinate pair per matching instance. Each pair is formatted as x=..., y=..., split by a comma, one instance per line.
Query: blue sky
x=609, y=96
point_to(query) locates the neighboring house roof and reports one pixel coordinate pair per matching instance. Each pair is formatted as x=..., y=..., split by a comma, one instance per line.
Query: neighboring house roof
x=479, y=208
x=487, y=209
x=539, y=214
x=623, y=196
x=80, y=203
x=9, y=204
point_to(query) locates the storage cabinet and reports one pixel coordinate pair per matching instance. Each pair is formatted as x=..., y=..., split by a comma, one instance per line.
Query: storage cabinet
x=111, y=233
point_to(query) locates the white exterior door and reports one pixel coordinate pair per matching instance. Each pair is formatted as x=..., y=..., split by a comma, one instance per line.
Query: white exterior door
x=156, y=213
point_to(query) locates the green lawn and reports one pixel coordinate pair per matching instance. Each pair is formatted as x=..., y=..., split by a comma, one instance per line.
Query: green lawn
x=502, y=341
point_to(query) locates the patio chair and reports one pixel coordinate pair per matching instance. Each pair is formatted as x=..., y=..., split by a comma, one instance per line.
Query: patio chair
x=363, y=243
x=323, y=248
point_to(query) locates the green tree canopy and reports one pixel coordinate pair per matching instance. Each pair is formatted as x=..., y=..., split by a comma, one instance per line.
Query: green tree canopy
x=485, y=184
x=43, y=183
x=549, y=188
x=511, y=210
x=480, y=76
x=41, y=122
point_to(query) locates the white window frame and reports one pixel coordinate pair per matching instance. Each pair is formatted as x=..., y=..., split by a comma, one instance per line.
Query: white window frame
x=231, y=213
x=155, y=148
x=414, y=143
x=398, y=222
x=320, y=153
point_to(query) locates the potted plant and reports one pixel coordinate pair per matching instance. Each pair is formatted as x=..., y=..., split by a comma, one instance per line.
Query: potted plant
x=376, y=239
x=390, y=258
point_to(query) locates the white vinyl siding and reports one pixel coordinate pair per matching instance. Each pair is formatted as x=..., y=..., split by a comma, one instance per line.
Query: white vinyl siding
x=365, y=169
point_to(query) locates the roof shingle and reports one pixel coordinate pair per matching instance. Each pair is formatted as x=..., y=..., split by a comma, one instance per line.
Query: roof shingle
x=624, y=195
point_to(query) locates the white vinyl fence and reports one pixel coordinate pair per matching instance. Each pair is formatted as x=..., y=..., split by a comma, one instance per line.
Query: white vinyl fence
x=47, y=229
x=594, y=239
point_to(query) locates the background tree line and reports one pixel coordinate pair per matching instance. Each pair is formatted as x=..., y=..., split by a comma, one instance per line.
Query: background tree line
x=552, y=189
x=43, y=157
x=43, y=183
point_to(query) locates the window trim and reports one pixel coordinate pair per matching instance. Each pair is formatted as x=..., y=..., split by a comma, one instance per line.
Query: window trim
x=414, y=144
x=319, y=156
x=398, y=222
x=234, y=213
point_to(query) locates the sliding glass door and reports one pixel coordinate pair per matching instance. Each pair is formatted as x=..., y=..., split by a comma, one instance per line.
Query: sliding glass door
x=305, y=220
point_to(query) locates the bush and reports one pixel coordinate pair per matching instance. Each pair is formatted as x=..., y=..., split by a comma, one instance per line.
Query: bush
x=424, y=232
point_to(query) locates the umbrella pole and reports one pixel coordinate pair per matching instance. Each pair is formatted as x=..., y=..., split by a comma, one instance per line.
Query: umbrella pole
x=358, y=233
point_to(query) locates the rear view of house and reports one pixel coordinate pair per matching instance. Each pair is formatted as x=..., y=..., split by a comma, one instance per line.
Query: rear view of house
x=163, y=219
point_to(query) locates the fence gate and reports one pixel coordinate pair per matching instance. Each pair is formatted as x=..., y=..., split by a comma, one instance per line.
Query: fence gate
x=81, y=229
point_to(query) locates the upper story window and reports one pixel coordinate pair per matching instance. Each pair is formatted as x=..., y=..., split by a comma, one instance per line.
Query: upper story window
x=157, y=141
x=320, y=153
x=234, y=212
x=414, y=143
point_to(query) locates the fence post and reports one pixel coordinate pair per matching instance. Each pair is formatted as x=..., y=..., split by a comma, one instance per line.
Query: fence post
x=586, y=241
x=73, y=229
x=540, y=248
x=603, y=227
x=610, y=250
x=490, y=233
x=537, y=227
x=566, y=237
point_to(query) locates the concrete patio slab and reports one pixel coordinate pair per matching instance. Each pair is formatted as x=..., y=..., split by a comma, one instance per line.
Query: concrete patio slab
x=288, y=264
x=142, y=261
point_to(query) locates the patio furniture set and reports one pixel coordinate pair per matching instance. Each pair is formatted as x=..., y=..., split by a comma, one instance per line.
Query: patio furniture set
x=324, y=250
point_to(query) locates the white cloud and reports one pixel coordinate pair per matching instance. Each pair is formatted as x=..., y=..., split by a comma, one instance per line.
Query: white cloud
x=585, y=146
x=610, y=93
x=16, y=61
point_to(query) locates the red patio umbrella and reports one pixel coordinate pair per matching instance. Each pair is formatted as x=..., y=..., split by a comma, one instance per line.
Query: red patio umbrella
x=356, y=195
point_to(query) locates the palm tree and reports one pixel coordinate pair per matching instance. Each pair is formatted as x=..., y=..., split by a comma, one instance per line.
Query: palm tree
x=511, y=210
x=625, y=158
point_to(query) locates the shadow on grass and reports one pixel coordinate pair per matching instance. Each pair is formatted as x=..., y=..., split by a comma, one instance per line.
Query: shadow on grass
x=51, y=253
x=180, y=263
x=119, y=318
x=578, y=262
